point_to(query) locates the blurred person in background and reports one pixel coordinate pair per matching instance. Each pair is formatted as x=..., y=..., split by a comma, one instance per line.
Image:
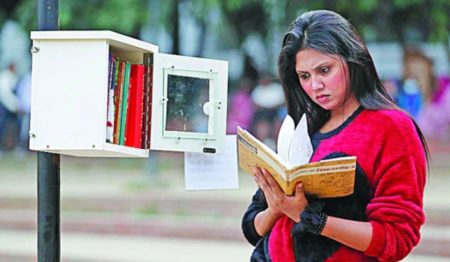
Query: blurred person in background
x=9, y=104
x=410, y=97
x=268, y=98
x=328, y=74
x=241, y=108
x=434, y=119
x=425, y=97
x=23, y=91
x=417, y=85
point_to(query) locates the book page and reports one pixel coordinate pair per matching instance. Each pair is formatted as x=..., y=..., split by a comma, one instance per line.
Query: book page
x=212, y=171
x=285, y=137
x=300, y=148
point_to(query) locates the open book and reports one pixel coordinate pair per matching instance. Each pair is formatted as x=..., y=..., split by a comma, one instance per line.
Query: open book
x=327, y=178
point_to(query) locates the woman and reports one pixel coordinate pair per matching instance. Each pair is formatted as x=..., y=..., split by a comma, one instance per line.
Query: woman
x=328, y=74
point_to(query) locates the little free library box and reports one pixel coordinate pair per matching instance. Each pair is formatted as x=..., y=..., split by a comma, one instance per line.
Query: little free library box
x=104, y=94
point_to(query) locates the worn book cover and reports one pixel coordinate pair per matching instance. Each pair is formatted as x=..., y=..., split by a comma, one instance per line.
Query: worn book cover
x=147, y=101
x=328, y=178
x=118, y=89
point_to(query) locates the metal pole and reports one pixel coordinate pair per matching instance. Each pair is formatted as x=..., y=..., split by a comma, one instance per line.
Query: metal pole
x=48, y=207
x=48, y=167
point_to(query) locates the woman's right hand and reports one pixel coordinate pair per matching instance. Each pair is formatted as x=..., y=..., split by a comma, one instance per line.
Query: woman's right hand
x=279, y=203
x=265, y=219
x=270, y=194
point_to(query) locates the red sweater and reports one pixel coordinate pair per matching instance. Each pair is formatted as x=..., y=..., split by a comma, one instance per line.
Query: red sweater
x=392, y=158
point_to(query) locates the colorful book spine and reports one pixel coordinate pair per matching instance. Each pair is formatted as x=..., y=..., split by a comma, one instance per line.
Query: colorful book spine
x=149, y=112
x=118, y=101
x=110, y=106
x=133, y=136
x=124, y=103
x=147, y=103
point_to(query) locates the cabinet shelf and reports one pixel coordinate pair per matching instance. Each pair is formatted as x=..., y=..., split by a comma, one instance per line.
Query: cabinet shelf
x=69, y=91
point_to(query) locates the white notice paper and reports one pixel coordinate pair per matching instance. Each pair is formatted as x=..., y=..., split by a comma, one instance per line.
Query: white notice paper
x=212, y=171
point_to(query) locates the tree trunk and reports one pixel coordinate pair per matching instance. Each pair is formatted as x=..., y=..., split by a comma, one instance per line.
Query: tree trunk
x=201, y=38
x=175, y=21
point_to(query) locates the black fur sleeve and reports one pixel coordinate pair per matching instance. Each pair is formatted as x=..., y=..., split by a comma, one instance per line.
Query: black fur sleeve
x=248, y=221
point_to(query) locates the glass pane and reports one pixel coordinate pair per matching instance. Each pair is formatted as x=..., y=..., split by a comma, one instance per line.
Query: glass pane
x=187, y=95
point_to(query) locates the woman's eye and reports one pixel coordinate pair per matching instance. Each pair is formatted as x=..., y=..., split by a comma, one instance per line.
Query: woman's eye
x=304, y=76
x=324, y=69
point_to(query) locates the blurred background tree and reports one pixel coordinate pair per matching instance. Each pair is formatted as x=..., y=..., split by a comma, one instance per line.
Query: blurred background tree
x=122, y=16
x=252, y=28
x=377, y=20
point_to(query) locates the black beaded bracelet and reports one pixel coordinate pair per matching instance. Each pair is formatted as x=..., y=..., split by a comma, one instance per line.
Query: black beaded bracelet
x=312, y=219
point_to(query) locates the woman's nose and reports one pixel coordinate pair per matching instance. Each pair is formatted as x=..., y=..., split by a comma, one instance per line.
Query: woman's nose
x=317, y=83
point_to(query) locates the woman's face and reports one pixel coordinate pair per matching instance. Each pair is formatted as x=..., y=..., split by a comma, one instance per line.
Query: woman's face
x=324, y=78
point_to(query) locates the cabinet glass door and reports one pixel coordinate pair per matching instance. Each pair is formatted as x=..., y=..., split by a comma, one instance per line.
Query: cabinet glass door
x=189, y=104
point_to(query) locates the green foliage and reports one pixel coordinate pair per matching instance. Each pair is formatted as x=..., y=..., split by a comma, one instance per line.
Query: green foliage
x=367, y=5
x=406, y=3
x=123, y=16
x=26, y=14
x=376, y=20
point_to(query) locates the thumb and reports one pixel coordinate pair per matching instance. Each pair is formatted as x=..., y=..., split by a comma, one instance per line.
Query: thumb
x=299, y=189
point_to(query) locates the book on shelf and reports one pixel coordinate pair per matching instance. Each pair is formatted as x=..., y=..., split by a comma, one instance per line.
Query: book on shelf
x=124, y=103
x=129, y=102
x=110, y=106
x=118, y=99
x=147, y=102
x=135, y=106
x=327, y=178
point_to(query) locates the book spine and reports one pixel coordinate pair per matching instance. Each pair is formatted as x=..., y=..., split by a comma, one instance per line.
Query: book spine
x=140, y=102
x=149, y=107
x=130, y=108
x=118, y=101
x=110, y=106
x=147, y=102
x=135, y=107
x=137, y=113
x=124, y=104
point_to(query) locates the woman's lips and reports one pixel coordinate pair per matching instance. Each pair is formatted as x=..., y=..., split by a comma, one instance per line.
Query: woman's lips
x=322, y=98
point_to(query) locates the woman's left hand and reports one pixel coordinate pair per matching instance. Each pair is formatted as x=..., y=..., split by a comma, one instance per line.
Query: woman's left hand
x=291, y=206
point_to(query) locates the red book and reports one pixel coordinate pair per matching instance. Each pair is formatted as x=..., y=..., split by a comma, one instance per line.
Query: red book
x=135, y=107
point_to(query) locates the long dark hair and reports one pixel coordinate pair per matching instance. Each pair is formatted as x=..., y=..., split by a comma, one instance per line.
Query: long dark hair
x=329, y=33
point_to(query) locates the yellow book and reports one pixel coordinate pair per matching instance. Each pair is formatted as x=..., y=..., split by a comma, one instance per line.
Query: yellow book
x=327, y=178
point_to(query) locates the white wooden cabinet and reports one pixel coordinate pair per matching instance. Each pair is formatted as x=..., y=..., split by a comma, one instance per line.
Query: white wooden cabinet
x=69, y=96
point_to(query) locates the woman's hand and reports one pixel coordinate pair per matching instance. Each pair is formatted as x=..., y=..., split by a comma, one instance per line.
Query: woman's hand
x=272, y=210
x=278, y=202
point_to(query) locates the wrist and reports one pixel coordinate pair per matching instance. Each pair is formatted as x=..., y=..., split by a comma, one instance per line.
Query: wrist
x=312, y=219
x=314, y=222
x=273, y=213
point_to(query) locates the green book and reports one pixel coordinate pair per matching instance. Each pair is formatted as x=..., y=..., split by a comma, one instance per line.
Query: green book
x=124, y=105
